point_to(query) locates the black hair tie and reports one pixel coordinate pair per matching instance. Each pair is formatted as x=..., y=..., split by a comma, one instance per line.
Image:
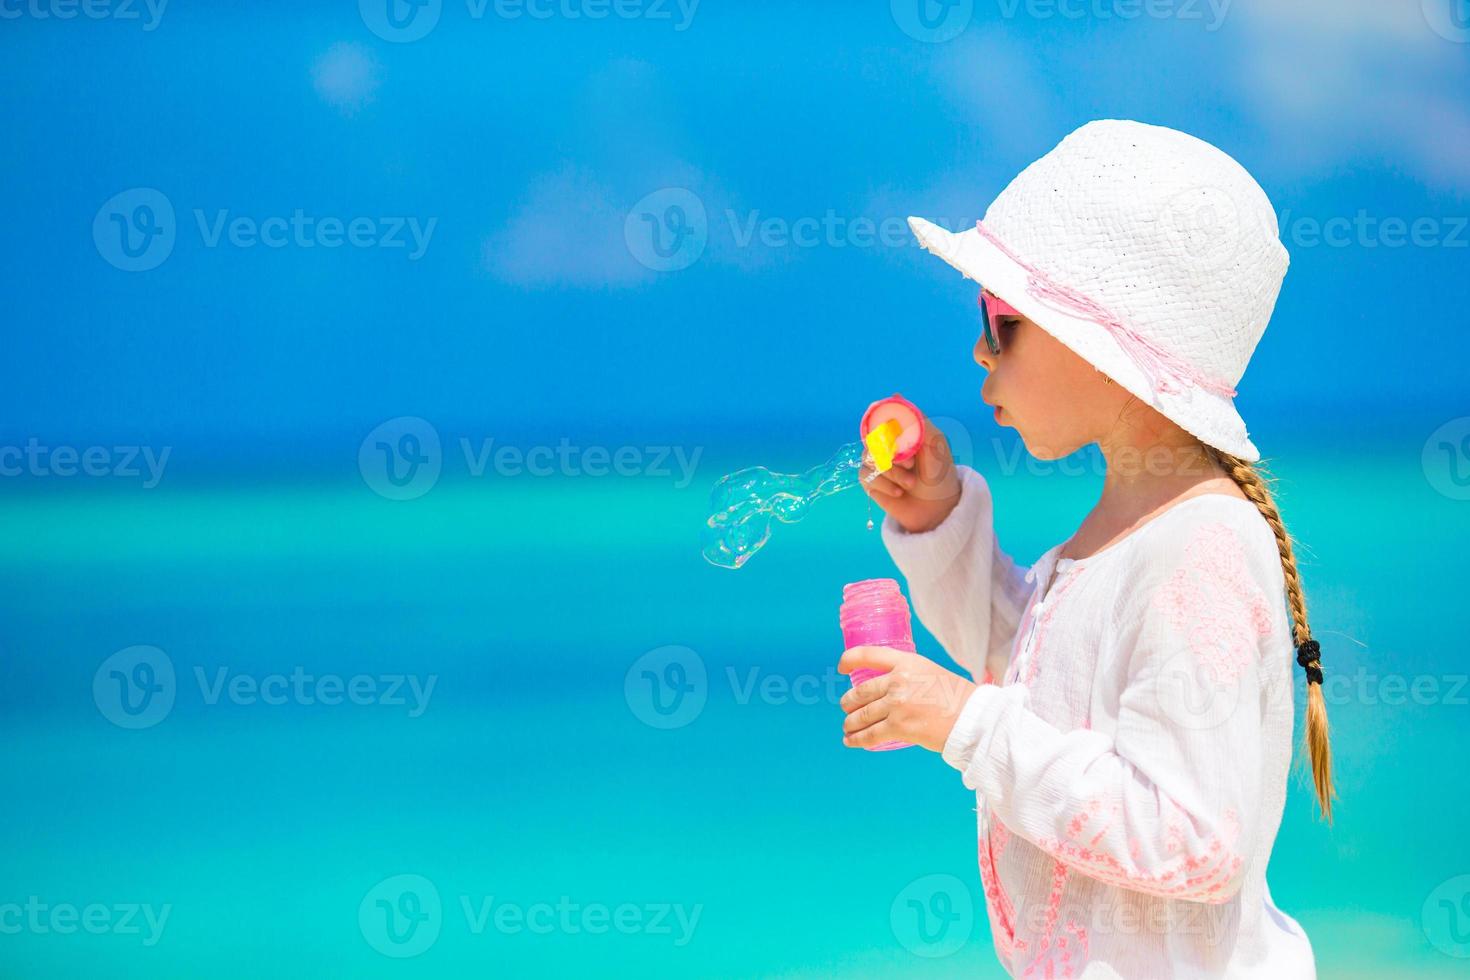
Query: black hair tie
x=1309, y=655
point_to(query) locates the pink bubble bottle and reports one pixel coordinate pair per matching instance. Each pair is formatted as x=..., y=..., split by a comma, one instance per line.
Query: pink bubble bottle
x=874, y=613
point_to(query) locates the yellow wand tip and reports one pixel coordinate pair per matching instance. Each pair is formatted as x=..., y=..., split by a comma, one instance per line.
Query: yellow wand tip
x=881, y=442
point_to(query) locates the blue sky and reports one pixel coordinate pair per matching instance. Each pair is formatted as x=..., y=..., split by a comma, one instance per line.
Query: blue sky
x=520, y=145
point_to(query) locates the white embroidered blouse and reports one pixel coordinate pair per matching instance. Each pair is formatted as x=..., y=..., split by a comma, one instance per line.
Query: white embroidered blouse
x=1129, y=742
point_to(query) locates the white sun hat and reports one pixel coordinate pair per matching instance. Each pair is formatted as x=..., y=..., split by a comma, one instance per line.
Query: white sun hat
x=1150, y=253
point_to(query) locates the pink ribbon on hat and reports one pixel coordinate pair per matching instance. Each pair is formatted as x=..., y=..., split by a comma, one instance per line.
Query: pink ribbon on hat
x=1161, y=366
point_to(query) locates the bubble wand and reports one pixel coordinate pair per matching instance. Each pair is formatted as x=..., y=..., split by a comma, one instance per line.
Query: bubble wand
x=744, y=503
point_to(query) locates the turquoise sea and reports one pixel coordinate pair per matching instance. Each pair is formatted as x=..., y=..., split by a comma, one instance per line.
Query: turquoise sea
x=555, y=814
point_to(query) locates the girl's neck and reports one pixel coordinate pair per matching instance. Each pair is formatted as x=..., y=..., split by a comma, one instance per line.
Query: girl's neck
x=1139, y=474
x=1143, y=478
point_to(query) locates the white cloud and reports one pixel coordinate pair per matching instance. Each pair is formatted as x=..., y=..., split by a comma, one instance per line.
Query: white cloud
x=1339, y=80
x=1007, y=118
x=571, y=227
x=345, y=77
x=995, y=82
x=568, y=231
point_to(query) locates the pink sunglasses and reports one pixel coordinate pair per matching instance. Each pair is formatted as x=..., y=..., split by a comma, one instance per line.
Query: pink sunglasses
x=992, y=308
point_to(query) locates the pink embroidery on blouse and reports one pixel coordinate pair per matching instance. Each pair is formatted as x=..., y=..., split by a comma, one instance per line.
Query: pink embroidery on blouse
x=1000, y=836
x=1198, y=873
x=1062, y=958
x=1000, y=911
x=1212, y=602
x=1058, y=957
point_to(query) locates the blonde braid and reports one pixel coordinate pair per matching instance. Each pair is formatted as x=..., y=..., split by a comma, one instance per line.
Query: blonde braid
x=1253, y=482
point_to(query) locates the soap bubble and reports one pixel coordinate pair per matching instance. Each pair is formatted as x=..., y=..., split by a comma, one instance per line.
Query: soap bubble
x=743, y=503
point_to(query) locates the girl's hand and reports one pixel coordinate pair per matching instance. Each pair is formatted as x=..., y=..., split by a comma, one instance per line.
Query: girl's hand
x=921, y=491
x=917, y=701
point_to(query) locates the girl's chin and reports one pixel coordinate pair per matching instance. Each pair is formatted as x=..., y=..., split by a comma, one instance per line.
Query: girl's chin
x=1044, y=453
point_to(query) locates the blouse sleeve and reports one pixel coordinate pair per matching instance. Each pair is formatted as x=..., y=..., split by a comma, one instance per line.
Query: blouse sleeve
x=965, y=590
x=1166, y=803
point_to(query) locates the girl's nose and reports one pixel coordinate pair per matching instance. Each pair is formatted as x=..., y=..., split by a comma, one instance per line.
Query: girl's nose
x=983, y=357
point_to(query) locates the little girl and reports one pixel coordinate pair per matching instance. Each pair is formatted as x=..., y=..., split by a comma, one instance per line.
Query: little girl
x=1129, y=736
